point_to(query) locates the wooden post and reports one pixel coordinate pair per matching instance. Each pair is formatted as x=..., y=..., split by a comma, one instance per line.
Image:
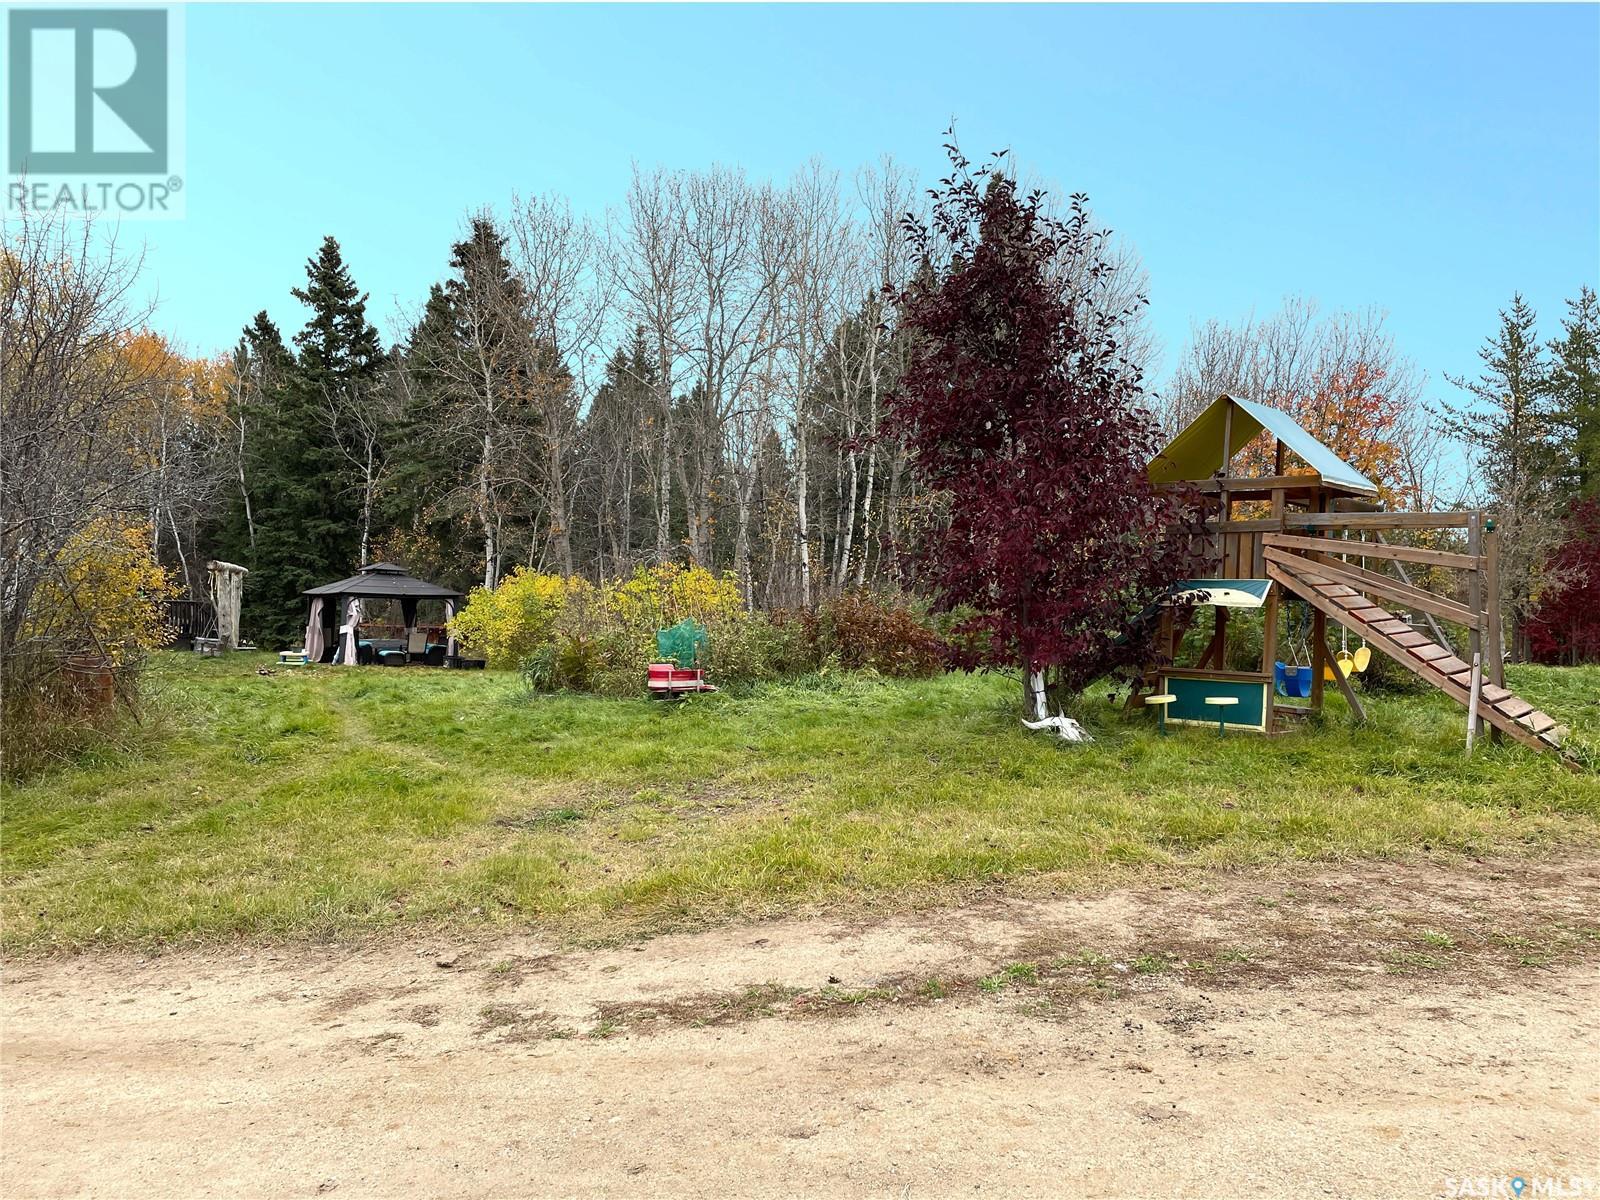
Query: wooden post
x=1224, y=501
x=1269, y=639
x=1319, y=628
x=1227, y=439
x=1216, y=653
x=1475, y=599
x=1472, y=703
x=1493, y=632
x=1319, y=655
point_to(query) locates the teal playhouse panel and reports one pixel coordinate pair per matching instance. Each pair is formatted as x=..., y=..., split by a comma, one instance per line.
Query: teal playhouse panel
x=1250, y=713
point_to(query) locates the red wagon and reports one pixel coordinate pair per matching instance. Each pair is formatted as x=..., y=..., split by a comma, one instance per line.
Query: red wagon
x=668, y=682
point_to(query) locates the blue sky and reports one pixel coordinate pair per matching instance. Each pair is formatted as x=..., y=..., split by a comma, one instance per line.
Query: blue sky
x=1426, y=159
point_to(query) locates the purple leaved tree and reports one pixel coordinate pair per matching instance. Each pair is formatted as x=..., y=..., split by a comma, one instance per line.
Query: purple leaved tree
x=1019, y=406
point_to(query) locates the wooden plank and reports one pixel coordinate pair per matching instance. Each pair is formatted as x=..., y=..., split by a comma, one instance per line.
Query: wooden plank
x=1412, y=554
x=1450, y=665
x=1260, y=483
x=1515, y=707
x=1393, y=626
x=1390, y=589
x=1406, y=520
x=1412, y=638
x=1215, y=673
x=1494, y=693
x=1431, y=653
x=1239, y=525
x=1537, y=721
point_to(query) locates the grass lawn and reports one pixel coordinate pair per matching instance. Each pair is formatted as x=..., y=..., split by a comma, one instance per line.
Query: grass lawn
x=321, y=801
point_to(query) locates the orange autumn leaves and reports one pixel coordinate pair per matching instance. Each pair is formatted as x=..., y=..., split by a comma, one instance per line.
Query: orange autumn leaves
x=1354, y=414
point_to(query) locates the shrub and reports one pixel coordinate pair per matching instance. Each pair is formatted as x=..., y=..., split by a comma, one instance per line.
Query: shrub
x=103, y=597
x=567, y=634
x=508, y=625
x=89, y=627
x=869, y=631
x=859, y=631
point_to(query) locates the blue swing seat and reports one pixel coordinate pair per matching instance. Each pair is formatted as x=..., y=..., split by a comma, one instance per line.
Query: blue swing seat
x=1292, y=680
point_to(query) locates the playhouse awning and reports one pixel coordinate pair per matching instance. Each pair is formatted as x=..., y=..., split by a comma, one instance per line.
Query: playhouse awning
x=1196, y=453
x=1224, y=593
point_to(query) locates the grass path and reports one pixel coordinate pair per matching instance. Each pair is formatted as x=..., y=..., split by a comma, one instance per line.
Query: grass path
x=317, y=802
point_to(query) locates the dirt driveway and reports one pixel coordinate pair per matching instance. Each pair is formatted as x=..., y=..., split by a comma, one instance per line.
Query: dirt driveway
x=1380, y=1031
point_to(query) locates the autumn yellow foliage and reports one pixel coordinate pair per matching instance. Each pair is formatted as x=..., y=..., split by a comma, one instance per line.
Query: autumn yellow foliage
x=104, y=597
x=531, y=611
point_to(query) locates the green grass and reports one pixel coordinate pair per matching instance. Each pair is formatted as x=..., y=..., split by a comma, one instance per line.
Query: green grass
x=322, y=801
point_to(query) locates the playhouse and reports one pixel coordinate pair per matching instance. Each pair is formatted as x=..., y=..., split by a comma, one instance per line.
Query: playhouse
x=1308, y=527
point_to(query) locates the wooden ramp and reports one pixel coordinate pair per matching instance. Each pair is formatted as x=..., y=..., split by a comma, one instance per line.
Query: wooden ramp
x=1322, y=584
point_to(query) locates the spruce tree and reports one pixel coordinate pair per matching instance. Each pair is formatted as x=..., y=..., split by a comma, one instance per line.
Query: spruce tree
x=424, y=507
x=1575, y=390
x=1511, y=426
x=307, y=522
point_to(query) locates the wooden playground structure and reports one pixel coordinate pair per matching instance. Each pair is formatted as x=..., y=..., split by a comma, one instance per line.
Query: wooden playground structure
x=1315, y=530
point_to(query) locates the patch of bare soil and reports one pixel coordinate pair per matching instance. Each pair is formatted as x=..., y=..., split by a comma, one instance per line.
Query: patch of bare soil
x=1380, y=1030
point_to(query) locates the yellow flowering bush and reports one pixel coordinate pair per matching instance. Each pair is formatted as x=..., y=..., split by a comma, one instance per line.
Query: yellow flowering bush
x=105, y=595
x=655, y=597
x=566, y=632
x=509, y=624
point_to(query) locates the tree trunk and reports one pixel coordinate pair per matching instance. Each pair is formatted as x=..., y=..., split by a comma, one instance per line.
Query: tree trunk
x=866, y=517
x=849, y=525
x=560, y=536
x=664, y=475
x=486, y=518
x=1035, y=702
x=802, y=485
x=744, y=486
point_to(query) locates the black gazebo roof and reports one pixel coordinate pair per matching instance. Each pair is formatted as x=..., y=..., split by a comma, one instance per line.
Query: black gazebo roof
x=380, y=580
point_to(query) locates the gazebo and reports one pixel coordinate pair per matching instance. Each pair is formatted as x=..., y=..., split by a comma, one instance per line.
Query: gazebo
x=335, y=613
